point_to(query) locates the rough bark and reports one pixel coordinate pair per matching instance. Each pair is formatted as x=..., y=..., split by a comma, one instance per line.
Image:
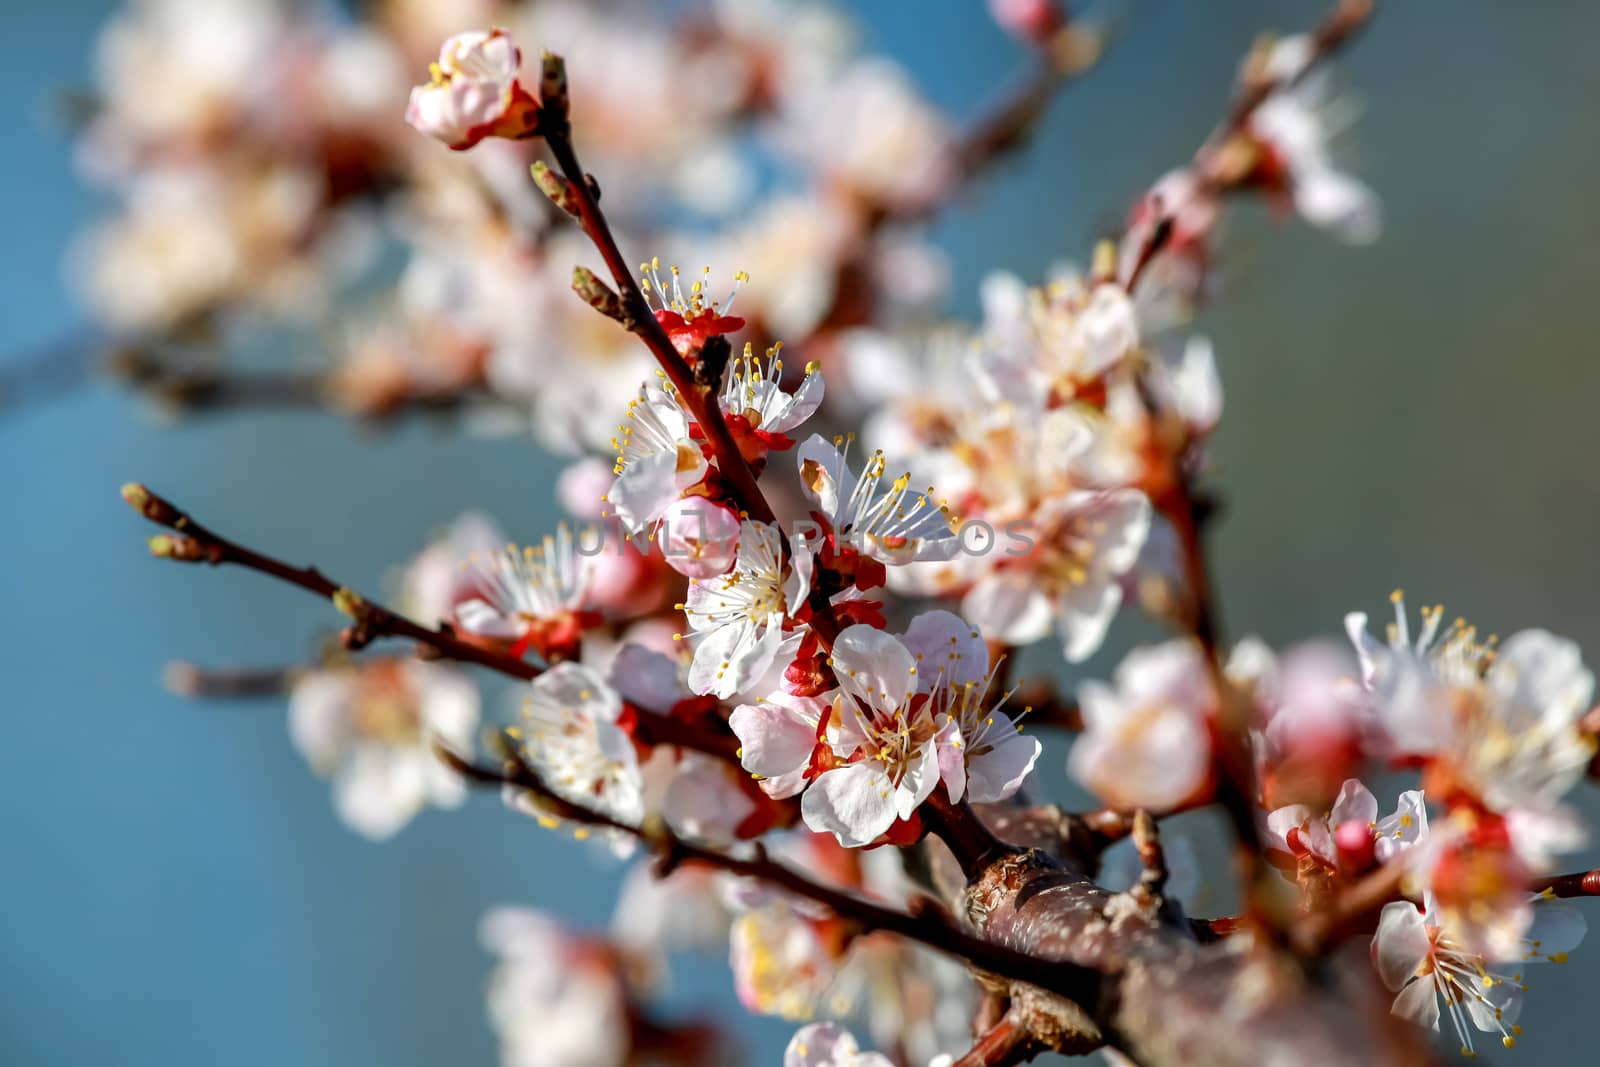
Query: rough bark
x=1168, y=1000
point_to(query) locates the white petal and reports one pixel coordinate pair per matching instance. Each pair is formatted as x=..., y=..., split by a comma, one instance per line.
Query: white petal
x=319, y=716
x=1401, y=944
x=919, y=782
x=774, y=740
x=1355, y=803
x=1557, y=926
x=854, y=803
x=801, y=405
x=1009, y=608
x=948, y=650
x=1542, y=672
x=644, y=489
x=1284, y=819
x=647, y=678
x=1419, y=1003
x=1339, y=203
x=1084, y=613
x=874, y=667
x=380, y=789
x=823, y=475
x=579, y=689
x=999, y=772
x=952, y=759
x=477, y=616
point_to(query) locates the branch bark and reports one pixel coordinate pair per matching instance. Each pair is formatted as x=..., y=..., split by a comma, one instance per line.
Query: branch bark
x=371, y=620
x=925, y=926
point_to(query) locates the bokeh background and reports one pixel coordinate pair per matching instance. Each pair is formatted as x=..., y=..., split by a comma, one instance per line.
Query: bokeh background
x=175, y=888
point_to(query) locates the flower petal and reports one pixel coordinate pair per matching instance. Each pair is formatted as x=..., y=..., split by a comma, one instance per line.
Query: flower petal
x=875, y=668
x=1401, y=945
x=854, y=803
x=774, y=740
x=948, y=650
x=998, y=766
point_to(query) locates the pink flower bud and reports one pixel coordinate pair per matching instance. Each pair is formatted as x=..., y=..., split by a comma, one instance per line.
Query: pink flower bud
x=474, y=93
x=1353, y=839
x=698, y=538
x=1030, y=20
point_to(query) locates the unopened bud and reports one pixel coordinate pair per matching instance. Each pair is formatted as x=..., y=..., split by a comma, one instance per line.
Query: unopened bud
x=146, y=503
x=553, y=85
x=1028, y=20
x=557, y=188
x=1105, y=261
x=598, y=295
x=173, y=546
x=349, y=602
x=655, y=831
x=1076, y=48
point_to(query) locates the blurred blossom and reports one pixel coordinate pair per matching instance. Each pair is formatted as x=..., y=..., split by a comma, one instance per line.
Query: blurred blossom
x=372, y=727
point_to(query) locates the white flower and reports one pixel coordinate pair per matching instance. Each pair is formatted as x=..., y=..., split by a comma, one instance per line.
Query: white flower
x=866, y=128
x=829, y=1045
x=779, y=962
x=691, y=317
x=1423, y=963
x=435, y=582
x=1294, y=125
x=952, y=662
x=703, y=801
x=573, y=740
x=552, y=999
x=474, y=92
x=523, y=589
x=1071, y=569
x=896, y=736
x=656, y=459
x=373, y=726
x=739, y=617
x=1055, y=338
x=1340, y=836
x=753, y=391
x=1505, y=720
x=1296, y=829
x=1147, y=743
x=1310, y=715
x=681, y=912
x=1403, y=830
x=892, y=525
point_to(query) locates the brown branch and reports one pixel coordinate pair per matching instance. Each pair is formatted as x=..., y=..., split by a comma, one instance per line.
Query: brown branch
x=1004, y=1044
x=1078, y=984
x=1354, y=910
x=700, y=397
x=1072, y=52
x=1578, y=884
x=1335, y=31
x=371, y=621
x=207, y=683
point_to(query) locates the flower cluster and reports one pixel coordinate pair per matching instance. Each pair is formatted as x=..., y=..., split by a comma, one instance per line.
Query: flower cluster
x=762, y=628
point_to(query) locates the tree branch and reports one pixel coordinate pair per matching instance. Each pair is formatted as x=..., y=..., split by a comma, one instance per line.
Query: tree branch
x=1002, y=1045
x=700, y=397
x=1075, y=983
x=371, y=620
x=1578, y=884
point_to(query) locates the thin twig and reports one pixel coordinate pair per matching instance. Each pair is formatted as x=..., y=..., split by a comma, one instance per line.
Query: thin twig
x=1004, y=1044
x=371, y=620
x=700, y=398
x=1578, y=884
x=1079, y=984
x=232, y=683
